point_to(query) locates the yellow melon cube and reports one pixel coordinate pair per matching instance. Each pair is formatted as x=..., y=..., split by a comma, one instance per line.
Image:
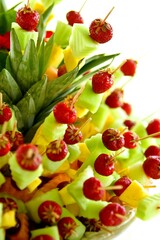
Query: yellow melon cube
x=133, y=194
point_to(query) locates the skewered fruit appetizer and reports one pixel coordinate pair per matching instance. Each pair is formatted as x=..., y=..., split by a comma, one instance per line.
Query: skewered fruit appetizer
x=66, y=174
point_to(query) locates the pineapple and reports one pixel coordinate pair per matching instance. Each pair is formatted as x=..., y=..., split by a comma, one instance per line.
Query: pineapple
x=25, y=86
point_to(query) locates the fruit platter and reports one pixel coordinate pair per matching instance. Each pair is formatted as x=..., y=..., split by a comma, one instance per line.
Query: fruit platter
x=76, y=163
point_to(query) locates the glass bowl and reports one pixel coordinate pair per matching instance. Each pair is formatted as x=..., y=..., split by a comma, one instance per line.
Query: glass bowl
x=109, y=233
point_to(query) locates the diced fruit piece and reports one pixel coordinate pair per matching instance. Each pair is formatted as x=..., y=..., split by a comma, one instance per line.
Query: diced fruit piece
x=99, y=117
x=9, y=219
x=80, y=42
x=51, y=73
x=93, y=209
x=66, y=197
x=88, y=99
x=148, y=207
x=74, y=152
x=51, y=231
x=133, y=194
x=70, y=60
x=56, y=56
x=43, y=137
x=24, y=36
x=2, y=179
x=33, y=185
x=76, y=186
x=62, y=34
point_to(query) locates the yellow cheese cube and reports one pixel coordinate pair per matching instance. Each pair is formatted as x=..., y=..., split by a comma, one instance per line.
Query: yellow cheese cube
x=133, y=194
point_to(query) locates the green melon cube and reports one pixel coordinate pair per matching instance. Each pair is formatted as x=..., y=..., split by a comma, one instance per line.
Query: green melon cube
x=80, y=42
x=95, y=142
x=93, y=209
x=1, y=213
x=79, y=230
x=21, y=176
x=99, y=118
x=136, y=172
x=2, y=234
x=33, y=205
x=50, y=165
x=89, y=99
x=148, y=207
x=51, y=231
x=74, y=152
x=75, y=187
x=24, y=36
x=20, y=203
x=62, y=34
x=2, y=179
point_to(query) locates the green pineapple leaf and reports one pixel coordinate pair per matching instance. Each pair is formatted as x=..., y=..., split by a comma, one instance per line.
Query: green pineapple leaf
x=3, y=57
x=28, y=70
x=27, y=109
x=60, y=84
x=97, y=60
x=38, y=92
x=15, y=53
x=9, y=86
x=42, y=24
x=44, y=56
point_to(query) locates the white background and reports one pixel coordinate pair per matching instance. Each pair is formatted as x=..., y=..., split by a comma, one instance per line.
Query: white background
x=136, y=35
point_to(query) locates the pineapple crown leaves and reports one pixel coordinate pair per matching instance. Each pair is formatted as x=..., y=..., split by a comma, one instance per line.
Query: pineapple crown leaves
x=26, y=88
